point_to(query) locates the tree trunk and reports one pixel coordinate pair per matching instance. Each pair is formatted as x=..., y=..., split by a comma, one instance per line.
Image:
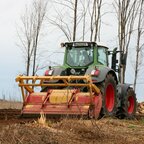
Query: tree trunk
x=75, y=20
x=138, y=48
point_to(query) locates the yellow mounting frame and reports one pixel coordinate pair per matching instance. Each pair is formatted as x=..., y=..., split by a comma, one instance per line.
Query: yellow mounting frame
x=29, y=82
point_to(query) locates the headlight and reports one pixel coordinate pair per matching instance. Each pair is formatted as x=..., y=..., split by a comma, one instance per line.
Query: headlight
x=95, y=72
x=72, y=71
x=48, y=72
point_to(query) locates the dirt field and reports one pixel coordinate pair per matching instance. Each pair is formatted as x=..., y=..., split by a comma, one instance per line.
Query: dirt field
x=69, y=131
x=10, y=105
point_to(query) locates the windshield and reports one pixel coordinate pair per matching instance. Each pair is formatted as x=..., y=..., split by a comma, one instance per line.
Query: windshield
x=79, y=56
x=102, y=55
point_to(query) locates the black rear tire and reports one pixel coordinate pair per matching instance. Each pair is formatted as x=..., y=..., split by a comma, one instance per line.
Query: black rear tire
x=128, y=105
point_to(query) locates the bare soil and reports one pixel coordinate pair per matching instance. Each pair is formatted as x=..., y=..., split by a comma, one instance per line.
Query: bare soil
x=69, y=131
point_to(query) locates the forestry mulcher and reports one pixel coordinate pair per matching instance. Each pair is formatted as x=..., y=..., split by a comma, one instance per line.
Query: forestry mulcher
x=84, y=85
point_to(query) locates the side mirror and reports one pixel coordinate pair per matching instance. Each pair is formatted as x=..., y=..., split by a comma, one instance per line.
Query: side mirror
x=123, y=58
x=114, y=50
x=62, y=44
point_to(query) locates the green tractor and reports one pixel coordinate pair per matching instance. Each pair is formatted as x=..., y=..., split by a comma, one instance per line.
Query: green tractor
x=89, y=58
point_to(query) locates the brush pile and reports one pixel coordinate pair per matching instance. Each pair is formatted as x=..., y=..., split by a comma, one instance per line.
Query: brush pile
x=140, y=109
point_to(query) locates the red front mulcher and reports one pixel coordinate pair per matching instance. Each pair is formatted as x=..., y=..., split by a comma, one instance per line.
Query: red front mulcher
x=60, y=101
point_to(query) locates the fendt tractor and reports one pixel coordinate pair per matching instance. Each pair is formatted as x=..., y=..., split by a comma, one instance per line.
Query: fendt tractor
x=84, y=85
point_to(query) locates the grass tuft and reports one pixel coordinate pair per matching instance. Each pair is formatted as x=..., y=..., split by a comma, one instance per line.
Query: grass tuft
x=42, y=119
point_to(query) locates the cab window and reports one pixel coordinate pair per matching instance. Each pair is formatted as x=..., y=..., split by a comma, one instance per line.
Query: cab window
x=102, y=55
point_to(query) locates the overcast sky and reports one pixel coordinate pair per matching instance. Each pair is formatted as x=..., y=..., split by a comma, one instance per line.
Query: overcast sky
x=11, y=60
x=10, y=56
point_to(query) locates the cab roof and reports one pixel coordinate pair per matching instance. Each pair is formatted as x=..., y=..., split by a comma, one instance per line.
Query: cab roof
x=82, y=43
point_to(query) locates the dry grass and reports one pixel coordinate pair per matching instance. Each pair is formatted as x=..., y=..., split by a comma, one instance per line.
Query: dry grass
x=10, y=105
x=42, y=120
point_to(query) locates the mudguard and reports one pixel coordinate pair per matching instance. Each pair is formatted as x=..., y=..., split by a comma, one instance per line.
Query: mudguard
x=57, y=71
x=103, y=72
x=122, y=88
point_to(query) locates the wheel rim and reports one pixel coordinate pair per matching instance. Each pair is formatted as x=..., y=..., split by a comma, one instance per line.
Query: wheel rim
x=109, y=97
x=130, y=104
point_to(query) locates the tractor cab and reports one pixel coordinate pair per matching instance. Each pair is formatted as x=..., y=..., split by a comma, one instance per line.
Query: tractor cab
x=85, y=54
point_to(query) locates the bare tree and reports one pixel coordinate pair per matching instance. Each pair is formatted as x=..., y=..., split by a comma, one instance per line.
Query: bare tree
x=140, y=43
x=69, y=28
x=84, y=18
x=29, y=33
x=126, y=14
x=62, y=25
x=75, y=20
x=25, y=34
x=95, y=19
x=91, y=20
x=40, y=9
x=85, y=21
